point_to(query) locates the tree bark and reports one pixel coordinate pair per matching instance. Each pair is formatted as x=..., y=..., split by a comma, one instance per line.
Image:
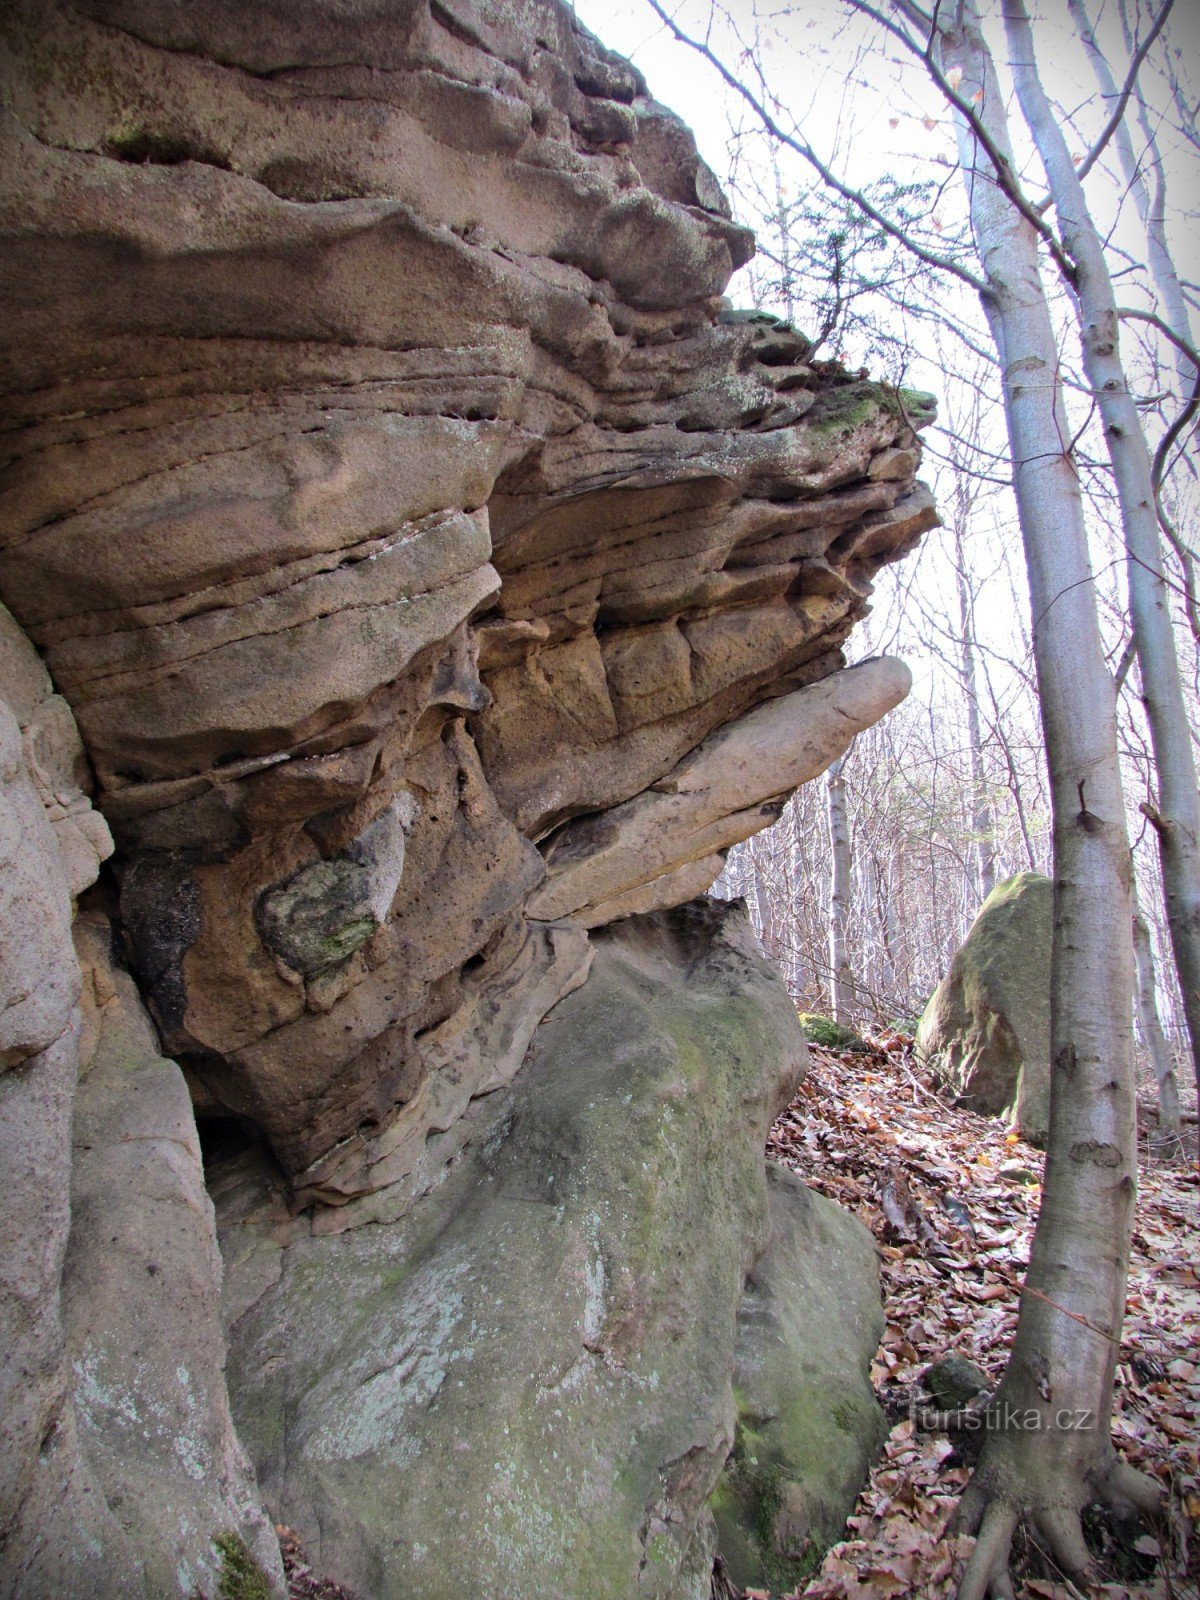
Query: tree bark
x=1064, y=1353
x=1176, y=817
x=1151, y=208
x=982, y=825
x=1167, y=1135
x=841, y=986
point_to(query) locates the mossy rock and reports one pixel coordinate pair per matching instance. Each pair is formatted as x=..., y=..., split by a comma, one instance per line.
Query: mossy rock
x=986, y=1031
x=954, y=1381
x=487, y=1395
x=808, y=1423
x=241, y=1576
x=830, y=1035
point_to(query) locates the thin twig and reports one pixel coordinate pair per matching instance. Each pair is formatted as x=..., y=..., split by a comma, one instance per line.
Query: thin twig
x=803, y=149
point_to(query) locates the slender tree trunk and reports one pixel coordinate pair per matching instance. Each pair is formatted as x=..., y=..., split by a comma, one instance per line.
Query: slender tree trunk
x=1153, y=1037
x=1176, y=817
x=1151, y=208
x=982, y=825
x=1064, y=1353
x=841, y=989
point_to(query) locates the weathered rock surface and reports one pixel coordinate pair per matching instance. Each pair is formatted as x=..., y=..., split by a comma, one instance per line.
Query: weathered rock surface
x=987, y=1028
x=394, y=500
x=524, y=1387
x=141, y=1310
x=735, y=782
x=119, y=1466
x=426, y=566
x=808, y=1422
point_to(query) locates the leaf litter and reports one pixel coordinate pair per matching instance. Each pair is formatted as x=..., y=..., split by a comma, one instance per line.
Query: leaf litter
x=951, y=1199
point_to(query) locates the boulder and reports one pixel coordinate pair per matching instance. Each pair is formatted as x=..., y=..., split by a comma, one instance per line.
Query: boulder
x=808, y=1423
x=986, y=1030
x=526, y=1386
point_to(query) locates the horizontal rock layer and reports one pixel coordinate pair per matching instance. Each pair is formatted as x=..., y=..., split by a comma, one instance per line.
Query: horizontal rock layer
x=397, y=506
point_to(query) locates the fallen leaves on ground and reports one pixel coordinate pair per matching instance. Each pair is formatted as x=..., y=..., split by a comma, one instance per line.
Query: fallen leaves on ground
x=303, y=1583
x=952, y=1199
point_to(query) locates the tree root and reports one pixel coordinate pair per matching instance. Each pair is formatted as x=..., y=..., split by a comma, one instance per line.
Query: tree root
x=993, y=1517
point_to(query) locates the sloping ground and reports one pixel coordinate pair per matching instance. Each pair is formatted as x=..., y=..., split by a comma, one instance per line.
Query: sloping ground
x=948, y=1197
x=940, y=1190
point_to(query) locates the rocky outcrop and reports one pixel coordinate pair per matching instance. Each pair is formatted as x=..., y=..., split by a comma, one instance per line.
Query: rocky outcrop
x=808, y=1423
x=986, y=1030
x=427, y=568
x=397, y=506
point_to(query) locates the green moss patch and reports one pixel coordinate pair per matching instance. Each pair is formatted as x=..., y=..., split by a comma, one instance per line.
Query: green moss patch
x=241, y=1576
x=830, y=1035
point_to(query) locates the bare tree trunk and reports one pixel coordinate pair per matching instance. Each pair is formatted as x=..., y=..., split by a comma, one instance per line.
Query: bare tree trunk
x=1151, y=208
x=1176, y=817
x=841, y=989
x=1064, y=1353
x=1153, y=1037
x=982, y=825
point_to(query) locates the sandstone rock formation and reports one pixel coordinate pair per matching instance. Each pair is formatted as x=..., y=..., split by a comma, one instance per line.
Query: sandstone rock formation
x=527, y=1382
x=986, y=1030
x=436, y=569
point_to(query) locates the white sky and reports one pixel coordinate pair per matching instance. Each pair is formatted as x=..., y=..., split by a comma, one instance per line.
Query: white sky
x=846, y=92
x=871, y=111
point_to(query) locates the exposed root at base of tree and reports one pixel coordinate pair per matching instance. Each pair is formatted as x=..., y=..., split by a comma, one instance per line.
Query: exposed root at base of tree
x=952, y=1200
x=993, y=1518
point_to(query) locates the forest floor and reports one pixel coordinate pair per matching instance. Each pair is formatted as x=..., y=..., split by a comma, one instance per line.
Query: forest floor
x=951, y=1199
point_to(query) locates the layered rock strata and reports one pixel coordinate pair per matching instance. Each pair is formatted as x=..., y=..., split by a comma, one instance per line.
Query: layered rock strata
x=430, y=569
x=394, y=500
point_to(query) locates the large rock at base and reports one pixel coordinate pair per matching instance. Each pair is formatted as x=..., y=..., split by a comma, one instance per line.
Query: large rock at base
x=524, y=1388
x=808, y=1423
x=986, y=1031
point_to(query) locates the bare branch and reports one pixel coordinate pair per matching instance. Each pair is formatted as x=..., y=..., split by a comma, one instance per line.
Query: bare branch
x=1130, y=314
x=1005, y=177
x=1118, y=111
x=805, y=150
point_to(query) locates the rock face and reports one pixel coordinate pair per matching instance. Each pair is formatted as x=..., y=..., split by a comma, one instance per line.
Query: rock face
x=392, y=499
x=987, y=1028
x=426, y=567
x=119, y=1464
